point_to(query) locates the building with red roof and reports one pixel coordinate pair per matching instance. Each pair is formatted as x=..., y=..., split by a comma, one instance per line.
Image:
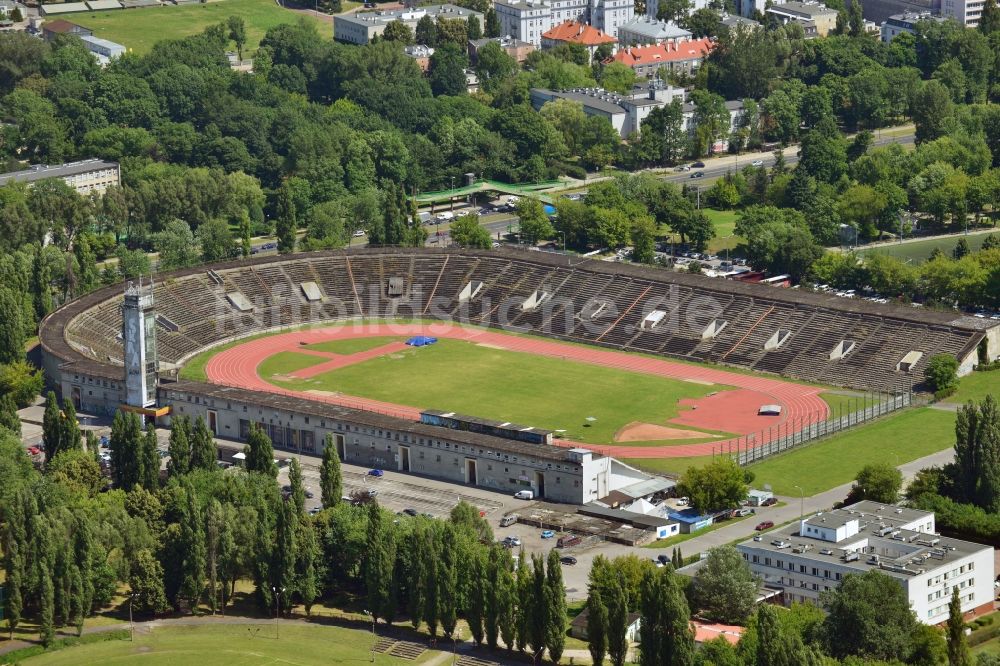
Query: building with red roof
x=573, y=32
x=681, y=56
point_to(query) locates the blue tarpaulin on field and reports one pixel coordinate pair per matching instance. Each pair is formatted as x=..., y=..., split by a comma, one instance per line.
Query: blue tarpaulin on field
x=550, y=210
x=421, y=341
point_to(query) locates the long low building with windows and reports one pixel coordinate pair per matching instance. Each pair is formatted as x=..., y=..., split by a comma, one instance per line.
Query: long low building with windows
x=808, y=558
x=85, y=176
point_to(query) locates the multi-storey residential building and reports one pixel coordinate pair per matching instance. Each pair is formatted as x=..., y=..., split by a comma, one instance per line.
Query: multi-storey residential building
x=624, y=112
x=85, y=176
x=571, y=32
x=679, y=57
x=515, y=48
x=645, y=30
x=361, y=27
x=528, y=20
x=966, y=12
x=805, y=559
x=816, y=18
x=906, y=22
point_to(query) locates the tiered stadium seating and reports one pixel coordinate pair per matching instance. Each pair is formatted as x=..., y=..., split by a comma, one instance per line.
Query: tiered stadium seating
x=195, y=304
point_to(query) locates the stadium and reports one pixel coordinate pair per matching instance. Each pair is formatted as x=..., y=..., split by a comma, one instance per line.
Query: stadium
x=596, y=360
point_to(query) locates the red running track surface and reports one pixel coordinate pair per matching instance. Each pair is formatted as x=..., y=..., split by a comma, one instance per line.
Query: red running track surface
x=732, y=411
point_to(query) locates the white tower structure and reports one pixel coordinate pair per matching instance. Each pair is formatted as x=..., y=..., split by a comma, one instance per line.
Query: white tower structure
x=139, y=337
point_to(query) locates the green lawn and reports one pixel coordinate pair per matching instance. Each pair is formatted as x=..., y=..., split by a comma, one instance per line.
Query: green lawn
x=194, y=368
x=524, y=388
x=239, y=645
x=284, y=363
x=976, y=385
x=831, y=462
x=918, y=251
x=353, y=345
x=846, y=402
x=724, y=222
x=139, y=29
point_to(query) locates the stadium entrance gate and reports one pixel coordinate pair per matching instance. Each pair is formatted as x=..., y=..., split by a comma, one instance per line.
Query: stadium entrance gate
x=404, y=459
x=471, y=477
x=539, y=485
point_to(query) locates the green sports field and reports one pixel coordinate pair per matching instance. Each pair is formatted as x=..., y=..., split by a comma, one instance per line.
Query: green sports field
x=239, y=645
x=139, y=29
x=493, y=383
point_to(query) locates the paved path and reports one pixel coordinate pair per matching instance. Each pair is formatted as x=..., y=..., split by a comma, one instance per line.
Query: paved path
x=729, y=411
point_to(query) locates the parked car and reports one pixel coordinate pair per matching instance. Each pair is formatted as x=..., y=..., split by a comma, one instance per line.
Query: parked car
x=309, y=494
x=757, y=163
x=663, y=559
x=513, y=541
x=359, y=233
x=683, y=501
x=410, y=512
x=524, y=494
x=567, y=541
x=770, y=501
x=698, y=174
x=698, y=165
x=568, y=560
x=313, y=511
x=34, y=450
x=548, y=534
x=508, y=520
x=376, y=473
x=765, y=525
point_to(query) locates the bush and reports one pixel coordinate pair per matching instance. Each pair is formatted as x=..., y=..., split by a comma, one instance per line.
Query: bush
x=945, y=393
x=941, y=373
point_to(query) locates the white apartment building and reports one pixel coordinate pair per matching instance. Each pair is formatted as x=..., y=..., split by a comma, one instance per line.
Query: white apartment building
x=85, y=176
x=362, y=27
x=804, y=560
x=527, y=20
x=966, y=12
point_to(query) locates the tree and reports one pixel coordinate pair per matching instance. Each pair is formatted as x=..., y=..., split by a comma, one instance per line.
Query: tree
x=467, y=232
x=16, y=16
x=665, y=634
x=961, y=249
x=52, y=427
x=203, y=450
x=179, y=446
x=977, y=440
x=618, y=605
x=145, y=583
x=878, y=482
x=12, y=327
x=869, y=616
x=298, y=491
x=378, y=563
x=724, y=588
x=932, y=107
x=192, y=545
x=237, y=33
x=494, y=65
x=8, y=415
x=426, y=31
x=216, y=240
x=475, y=29
x=597, y=627
x=330, y=480
x=149, y=461
x=447, y=70
x=285, y=226
x=176, y=245
x=245, y=247
x=535, y=224
x=46, y=607
x=672, y=10
x=718, y=485
x=21, y=381
x=555, y=602
x=989, y=20
x=397, y=31
x=958, y=648
x=643, y=240
x=259, y=452
x=941, y=373
x=493, y=28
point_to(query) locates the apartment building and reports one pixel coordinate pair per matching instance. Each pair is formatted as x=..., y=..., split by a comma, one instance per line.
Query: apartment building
x=85, y=176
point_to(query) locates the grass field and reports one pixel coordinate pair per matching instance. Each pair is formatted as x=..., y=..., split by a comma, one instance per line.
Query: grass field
x=976, y=386
x=896, y=439
x=240, y=645
x=918, y=251
x=139, y=29
x=492, y=383
x=831, y=462
x=724, y=222
x=353, y=345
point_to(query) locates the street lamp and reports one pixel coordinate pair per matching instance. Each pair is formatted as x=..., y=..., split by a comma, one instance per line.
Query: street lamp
x=131, y=625
x=372, y=616
x=802, y=502
x=277, y=594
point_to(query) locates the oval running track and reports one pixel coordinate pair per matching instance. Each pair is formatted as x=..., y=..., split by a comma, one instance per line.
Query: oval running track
x=237, y=367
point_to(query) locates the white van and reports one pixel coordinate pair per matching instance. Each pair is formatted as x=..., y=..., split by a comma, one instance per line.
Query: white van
x=446, y=216
x=508, y=520
x=524, y=494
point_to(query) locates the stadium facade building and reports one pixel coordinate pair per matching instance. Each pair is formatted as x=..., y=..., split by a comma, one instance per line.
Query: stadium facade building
x=807, y=336
x=808, y=558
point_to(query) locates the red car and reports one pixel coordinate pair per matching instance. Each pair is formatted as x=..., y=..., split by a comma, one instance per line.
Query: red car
x=34, y=450
x=766, y=525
